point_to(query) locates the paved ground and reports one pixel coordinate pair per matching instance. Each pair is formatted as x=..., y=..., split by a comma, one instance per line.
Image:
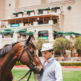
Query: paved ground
x=23, y=67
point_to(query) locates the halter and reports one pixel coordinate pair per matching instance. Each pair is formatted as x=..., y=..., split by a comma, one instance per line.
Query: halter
x=29, y=55
x=31, y=60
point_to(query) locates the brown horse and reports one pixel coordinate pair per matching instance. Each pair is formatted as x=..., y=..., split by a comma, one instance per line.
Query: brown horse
x=26, y=55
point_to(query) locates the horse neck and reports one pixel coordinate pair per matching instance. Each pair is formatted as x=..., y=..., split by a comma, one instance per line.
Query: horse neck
x=8, y=62
x=10, y=59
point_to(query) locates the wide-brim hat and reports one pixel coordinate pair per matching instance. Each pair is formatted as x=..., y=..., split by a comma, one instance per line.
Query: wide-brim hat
x=47, y=47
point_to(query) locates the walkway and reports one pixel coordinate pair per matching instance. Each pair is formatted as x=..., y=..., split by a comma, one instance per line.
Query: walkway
x=24, y=67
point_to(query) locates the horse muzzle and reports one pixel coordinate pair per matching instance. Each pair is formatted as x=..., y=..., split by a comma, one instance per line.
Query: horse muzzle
x=38, y=70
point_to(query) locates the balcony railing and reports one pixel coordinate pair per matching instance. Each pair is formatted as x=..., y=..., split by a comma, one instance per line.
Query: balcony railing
x=46, y=11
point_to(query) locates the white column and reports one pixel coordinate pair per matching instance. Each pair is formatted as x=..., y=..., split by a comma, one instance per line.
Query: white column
x=59, y=22
x=15, y=37
x=50, y=35
x=35, y=23
x=32, y=14
x=58, y=11
x=7, y=24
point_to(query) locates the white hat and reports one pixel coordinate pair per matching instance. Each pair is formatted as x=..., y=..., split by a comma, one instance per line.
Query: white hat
x=47, y=46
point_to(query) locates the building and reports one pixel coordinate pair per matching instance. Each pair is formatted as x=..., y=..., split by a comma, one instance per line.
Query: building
x=43, y=17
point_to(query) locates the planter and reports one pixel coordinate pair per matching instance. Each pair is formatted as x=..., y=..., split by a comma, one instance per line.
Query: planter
x=76, y=55
x=58, y=11
x=35, y=23
x=45, y=12
x=51, y=22
x=32, y=14
x=25, y=14
x=19, y=15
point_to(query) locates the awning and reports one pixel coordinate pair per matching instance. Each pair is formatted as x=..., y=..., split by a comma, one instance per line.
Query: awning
x=56, y=7
x=40, y=9
x=7, y=30
x=20, y=12
x=27, y=33
x=47, y=8
x=28, y=12
x=68, y=33
x=15, y=13
x=44, y=9
x=31, y=33
x=58, y=33
x=1, y=32
x=77, y=33
x=22, y=30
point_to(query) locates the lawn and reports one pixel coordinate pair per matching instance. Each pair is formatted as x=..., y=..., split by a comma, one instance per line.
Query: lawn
x=68, y=75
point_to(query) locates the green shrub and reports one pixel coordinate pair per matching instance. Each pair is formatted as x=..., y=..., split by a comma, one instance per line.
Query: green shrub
x=70, y=64
x=18, y=63
x=62, y=63
x=39, y=43
x=61, y=44
x=77, y=43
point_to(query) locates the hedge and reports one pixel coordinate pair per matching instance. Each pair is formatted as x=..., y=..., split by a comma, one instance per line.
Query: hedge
x=19, y=63
x=71, y=64
x=63, y=64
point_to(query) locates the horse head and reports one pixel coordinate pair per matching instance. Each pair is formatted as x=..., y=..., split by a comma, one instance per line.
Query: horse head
x=28, y=56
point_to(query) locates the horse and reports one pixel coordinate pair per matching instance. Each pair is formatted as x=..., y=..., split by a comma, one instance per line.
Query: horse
x=25, y=54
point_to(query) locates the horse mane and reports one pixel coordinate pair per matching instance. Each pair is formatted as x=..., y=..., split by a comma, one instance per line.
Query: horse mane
x=29, y=39
x=6, y=50
x=6, y=45
x=30, y=42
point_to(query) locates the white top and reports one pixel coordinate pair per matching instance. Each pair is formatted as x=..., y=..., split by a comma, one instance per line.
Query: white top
x=52, y=71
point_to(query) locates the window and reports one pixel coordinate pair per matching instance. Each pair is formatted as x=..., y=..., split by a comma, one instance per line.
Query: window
x=43, y=35
x=9, y=4
x=69, y=8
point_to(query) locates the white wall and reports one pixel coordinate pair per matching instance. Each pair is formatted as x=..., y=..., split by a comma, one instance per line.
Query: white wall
x=9, y=9
x=25, y=3
x=2, y=7
x=72, y=18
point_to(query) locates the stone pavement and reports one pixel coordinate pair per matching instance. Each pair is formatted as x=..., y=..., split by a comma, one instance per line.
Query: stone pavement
x=24, y=67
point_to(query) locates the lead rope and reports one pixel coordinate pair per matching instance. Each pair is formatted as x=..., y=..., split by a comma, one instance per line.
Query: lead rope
x=30, y=71
x=29, y=76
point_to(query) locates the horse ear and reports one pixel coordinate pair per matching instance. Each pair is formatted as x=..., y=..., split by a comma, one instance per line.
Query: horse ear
x=29, y=39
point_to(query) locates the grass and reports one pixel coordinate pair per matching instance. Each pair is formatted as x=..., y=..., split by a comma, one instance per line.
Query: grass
x=68, y=75
x=20, y=73
x=71, y=75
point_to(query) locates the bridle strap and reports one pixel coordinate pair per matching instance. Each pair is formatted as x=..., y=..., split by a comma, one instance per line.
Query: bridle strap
x=31, y=60
x=21, y=55
x=30, y=57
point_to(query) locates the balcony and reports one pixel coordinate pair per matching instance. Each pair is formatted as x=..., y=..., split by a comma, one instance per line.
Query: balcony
x=39, y=12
